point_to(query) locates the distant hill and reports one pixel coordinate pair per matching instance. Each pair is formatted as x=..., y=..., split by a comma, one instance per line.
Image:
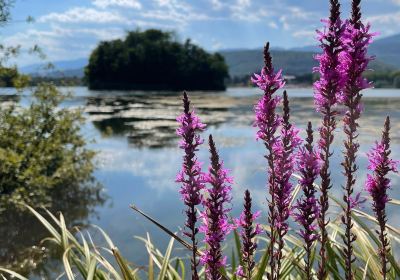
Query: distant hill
x=387, y=50
x=67, y=68
x=246, y=62
x=241, y=62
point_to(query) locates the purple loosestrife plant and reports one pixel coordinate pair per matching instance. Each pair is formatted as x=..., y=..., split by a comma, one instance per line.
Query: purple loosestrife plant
x=355, y=61
x=327, y=91
x=191, y=176
x=307, y=206
x=215, y=216
x=285, y=150
x=267, y=121
x=248, y=232
x=377, y=186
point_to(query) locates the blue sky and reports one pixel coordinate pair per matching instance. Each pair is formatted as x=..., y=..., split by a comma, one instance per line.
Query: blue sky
x=70, y=29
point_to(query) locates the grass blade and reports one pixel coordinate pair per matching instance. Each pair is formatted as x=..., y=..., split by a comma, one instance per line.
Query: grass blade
x=238, y=246
x=46, y=224
x=165, y=264
x=170, y=233
x=13, y=274
x=126, y=271
x=151, y=269
x=67, y=266
x=92, y=269
x=262, y=266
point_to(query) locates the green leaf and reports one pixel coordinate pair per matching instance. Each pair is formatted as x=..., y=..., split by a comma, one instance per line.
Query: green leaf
x=67, y=266
x=262, y=266
x=124, y=267
x=165, y=263
x=13, y=274
x=233, y=265
x=151, y=268
x=238, y=246
x=92, y=269
x=46, y=224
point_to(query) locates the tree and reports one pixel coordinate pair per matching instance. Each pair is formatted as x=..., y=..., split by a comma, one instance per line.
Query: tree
x=154, y=60
x=41, y=149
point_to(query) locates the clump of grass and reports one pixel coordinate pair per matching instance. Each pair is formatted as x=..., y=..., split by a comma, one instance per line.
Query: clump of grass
x=83, y=259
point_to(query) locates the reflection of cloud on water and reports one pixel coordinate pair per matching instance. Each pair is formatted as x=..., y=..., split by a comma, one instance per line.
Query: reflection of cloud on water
x=150, y=122
x=158, y=170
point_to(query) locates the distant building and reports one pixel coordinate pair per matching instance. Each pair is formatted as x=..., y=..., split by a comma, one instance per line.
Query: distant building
x=289, y=77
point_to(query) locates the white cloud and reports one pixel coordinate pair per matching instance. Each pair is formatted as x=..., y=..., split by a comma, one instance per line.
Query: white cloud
x=385, y=18
x=387, y=24
x=243, y=3
x=175, y=11
x=273, y=25
x=216, y=45
x=304, y=34
x=244, y=10
x=60, y=43
x=216, y=4
x=296, y=16
x=83, y=15
x=135, y=4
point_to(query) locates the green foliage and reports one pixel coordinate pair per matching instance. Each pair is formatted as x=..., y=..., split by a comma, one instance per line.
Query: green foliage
x=41, y=149
x=154, y=59
x=5, y=6
x=9, y=77
x=384, y=79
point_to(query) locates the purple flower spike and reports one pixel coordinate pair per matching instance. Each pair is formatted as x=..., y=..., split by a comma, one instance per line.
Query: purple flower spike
x=377, y=186
x=285, y=150
x=307, y=207
x=248, y=232
x=356, y=39
x=191, y=176
x=215, y=217
x=327, y=91
x=268, y=121
x=285, y=153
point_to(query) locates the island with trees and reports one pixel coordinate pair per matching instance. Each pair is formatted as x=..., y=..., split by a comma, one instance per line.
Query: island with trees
x=154, y=60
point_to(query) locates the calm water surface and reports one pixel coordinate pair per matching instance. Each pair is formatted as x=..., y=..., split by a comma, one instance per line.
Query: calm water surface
x=138, y=158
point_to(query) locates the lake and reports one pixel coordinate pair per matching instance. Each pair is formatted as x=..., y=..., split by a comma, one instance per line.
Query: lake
x=138, y=159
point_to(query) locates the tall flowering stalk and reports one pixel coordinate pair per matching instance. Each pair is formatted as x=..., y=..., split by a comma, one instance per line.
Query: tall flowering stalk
x=248, y=232
x=307, y=207
x=355, y=61
x=327, y=91
x=285, y=149
x=191, y=176
x=215, y=217
x=377, y=185
x=267, y=122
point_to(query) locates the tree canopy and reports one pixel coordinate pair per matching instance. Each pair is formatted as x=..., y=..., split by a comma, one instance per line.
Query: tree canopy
x=41, y=150
x=154, y=60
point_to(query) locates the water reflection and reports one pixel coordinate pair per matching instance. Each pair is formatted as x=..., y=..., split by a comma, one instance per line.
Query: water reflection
x=149, y=121
x=138, y=160
x=145, y=176
x=21, y=233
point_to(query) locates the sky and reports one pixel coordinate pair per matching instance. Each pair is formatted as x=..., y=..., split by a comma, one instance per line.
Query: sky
x=71, y=29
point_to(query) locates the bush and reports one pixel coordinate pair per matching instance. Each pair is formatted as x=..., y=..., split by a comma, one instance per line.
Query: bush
x=41, y=149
